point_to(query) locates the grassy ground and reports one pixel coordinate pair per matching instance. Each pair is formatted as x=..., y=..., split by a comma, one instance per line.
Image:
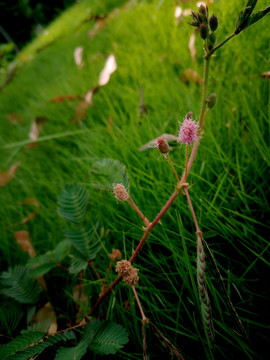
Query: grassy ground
x=230, y=176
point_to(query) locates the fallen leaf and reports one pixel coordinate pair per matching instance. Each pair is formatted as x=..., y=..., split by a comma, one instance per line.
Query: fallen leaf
x=80, y=111
x=22, y=239
x=36, y=127
x=178, y=12
x=191, y=46
x=192, y=76
x=265, y=75
x=82, y=301
x=109, y=68
x=98, y=26
x=6, y=176
x=14, y=118
x=45, y=313
x=89, y=95
x=60, y=99
x=152, y=144
x=78, y=56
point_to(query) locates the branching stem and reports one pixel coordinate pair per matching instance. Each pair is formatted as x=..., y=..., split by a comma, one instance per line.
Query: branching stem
x=138, y=211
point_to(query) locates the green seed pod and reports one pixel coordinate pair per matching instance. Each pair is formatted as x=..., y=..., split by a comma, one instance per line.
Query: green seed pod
x=213, y=22
x=203, y=28
x=211, y=100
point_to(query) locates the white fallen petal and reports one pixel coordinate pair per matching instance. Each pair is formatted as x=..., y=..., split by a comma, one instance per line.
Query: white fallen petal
x=109, y=68
x=78, y=56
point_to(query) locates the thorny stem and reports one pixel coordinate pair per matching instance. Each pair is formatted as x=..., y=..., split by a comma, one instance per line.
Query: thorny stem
x=139, y=304
x=173, y=168
x=138, y=211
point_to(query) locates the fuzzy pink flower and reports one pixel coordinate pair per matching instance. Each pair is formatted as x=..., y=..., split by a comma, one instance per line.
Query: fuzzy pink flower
x=188, y=131
x=120, y=192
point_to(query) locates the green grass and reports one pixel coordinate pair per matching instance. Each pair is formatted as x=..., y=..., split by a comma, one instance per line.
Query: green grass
x=229, y=179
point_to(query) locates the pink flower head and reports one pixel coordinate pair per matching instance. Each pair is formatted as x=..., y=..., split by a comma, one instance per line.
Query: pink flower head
x=188, y=131
x=162, y=145
x=120, y=192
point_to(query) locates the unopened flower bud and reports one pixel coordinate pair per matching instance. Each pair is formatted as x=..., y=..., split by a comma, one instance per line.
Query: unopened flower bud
x=203, y=13
x=212, y=39
x=213, y=22
x=120, y=192
x=162, y=145
x=203, y=28
x=211, y=100
x=115, y=255
x=189, y=115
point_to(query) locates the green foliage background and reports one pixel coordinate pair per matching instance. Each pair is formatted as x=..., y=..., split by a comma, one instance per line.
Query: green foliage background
x=229, y=179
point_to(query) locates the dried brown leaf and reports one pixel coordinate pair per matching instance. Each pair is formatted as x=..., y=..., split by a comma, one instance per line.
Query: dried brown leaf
x=80, y=111
x=6, y=176
x=46, y=312
x=60, y=99
x=192, y=76
x=22, y=239
x=265, y=75
x=109, y=68
x=14, y=118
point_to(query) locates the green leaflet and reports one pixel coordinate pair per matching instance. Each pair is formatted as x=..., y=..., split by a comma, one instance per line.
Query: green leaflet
x=40, y=347
x=110, y=172
x=19, y=285
x=72, y=203
x=20, y=343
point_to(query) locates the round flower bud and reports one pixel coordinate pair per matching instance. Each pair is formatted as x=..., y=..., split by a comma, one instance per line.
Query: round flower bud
x=213, y=22
x=203, y=28
x=128, y=272
x=162, y=145
x=115, y=255
x=120, y=192
x=211, y=100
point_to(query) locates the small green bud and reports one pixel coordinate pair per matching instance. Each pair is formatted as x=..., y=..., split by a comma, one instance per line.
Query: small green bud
x=213, y=22
x=203, y=28
x=212, y=39
x=211, y=100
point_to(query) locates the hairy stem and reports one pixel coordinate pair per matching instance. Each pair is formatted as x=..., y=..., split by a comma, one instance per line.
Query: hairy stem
x=204, y=90
x=186, y=166
x=139, y=304
x=173, y=168
x=138, y=211
x=219, y=46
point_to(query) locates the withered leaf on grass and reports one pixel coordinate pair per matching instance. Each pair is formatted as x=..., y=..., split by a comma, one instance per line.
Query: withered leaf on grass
x=266, y=75
x=191, y=46
x=30, y=201
x=60, y=99
x=80, y=111
x=14, y=118
x=151, y=144
x=6, y=176
x=109, y=68
x=22, y=239
x=46, y=313
x=36, y=127
x=78, y=56
x=192, y=76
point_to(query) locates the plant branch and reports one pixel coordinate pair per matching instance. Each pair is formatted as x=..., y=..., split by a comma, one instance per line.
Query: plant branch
x=138, y=211
x=219, y=46
x=173, y=168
